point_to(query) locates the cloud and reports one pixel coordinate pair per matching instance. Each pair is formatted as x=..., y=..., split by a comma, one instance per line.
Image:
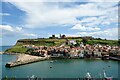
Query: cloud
x=9, y=31
x=90, y=19
x=105, y=23
x=84, y=28
x=41, y=14
x=47, y=14
x=108, y=33
x=61, y=0
x=33, y=35
x=10, y=28
x=4, y=14
x=103, y=0
x=111, y=16
x=111, y=34
x=18, y=28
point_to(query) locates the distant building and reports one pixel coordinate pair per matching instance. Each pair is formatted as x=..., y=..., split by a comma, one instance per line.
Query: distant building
x=60, y=35
x=72, y=42
x=53, y=37
x=63, y=36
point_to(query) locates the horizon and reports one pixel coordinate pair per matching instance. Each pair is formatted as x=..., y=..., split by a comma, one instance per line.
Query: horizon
x=21, y=20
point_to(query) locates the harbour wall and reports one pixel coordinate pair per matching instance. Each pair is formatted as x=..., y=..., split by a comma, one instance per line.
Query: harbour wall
x=18, y=63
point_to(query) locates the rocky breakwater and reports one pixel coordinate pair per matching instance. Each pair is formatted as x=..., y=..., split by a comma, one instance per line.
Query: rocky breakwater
x=23, y=59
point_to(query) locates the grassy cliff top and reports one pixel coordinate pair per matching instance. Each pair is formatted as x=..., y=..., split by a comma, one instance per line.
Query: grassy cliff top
x=17, y=49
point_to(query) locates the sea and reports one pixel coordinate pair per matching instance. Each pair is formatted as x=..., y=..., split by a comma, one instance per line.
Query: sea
x=59, y=68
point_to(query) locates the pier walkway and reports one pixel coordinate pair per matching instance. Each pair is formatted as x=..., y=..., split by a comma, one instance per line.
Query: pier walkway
x=1, y=52
x=25, y=59
x=114, y=58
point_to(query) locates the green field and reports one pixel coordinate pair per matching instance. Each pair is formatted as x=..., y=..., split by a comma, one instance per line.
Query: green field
x=17, y=49
x=104, y=42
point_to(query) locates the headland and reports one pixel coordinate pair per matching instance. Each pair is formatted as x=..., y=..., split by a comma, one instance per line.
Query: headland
x=65, y=47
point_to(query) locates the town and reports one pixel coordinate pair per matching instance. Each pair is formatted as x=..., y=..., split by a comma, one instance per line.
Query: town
x=72, y=49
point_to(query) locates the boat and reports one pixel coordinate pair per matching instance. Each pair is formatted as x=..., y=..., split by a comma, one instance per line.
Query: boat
x=106, y=77
x=105, y=57
x=51, y=61
x=55, y=60
x=88, y=76
x=32, y=78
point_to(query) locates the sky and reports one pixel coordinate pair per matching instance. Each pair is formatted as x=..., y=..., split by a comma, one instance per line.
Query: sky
x=42, y=18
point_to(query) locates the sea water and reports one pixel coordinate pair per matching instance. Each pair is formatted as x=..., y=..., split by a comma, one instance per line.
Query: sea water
x=61, y=68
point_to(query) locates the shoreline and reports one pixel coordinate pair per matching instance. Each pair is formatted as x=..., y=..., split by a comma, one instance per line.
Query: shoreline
x=59, y=57
x=23, y=59
x=10, y=53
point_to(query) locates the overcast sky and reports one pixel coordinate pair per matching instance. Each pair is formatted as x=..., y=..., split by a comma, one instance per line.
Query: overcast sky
x=35, y=19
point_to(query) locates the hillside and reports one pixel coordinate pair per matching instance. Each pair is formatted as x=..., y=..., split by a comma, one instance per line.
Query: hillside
x=18, y=47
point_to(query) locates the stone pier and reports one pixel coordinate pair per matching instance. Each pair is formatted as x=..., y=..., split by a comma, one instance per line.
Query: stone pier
x=25, y=59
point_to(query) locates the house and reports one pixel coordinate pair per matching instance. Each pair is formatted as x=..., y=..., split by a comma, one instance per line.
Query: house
x=72, y=42
x=73, y=54
x=81, y=55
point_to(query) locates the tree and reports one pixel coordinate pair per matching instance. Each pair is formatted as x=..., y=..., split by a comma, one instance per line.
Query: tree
x=84, y=40
x=119, y=42
x=77, y=43
x=30, y=50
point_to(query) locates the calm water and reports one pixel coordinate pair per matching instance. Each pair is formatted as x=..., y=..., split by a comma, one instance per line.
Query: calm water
x=3, y=48
x=67, y=68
